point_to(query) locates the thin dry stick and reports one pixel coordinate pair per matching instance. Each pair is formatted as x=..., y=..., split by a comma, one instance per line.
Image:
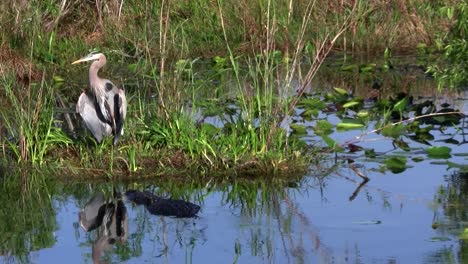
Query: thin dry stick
x=299, y=43
x=320, y=56
x=120, y=9
x=99, y=12
x=66, y=115
x=294, y=66
x=164, y=25
x=63, y=11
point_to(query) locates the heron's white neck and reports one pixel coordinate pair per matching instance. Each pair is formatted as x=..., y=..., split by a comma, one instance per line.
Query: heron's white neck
x=97, y=84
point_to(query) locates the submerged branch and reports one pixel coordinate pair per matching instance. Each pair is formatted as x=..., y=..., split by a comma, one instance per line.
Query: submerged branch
x=358, y=189
x=358, y=173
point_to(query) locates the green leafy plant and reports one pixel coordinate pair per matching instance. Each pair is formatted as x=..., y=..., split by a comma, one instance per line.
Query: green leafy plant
x=451, y=70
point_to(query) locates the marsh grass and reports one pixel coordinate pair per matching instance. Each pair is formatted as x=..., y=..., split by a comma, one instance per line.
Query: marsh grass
x=260, y=46
x=162, y=31
x=30, y=121
x=249, y=139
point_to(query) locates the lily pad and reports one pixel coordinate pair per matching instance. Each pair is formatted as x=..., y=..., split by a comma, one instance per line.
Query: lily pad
x=349, y=123
x=309, y=113
x=299, y=129
x=312, y=103
x=396, y=164
x=349, y=126
x=323, y=127
x=331, y=143
x=401, y=105
x=363, y=113
x=341, y=91
x=394, y=131
x=439, y=152
x=402, y=145
x=354, y=148
x=370, y=153
x=461, y=167
x=351, y=104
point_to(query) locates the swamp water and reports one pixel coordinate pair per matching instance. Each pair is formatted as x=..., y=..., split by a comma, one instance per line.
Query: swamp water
x=414, y=215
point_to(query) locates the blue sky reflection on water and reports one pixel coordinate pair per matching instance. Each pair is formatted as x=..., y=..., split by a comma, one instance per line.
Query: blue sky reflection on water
x=405, y=213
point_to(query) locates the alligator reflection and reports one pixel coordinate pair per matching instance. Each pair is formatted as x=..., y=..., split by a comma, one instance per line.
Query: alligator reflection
x=110, y=216
x=162, y=206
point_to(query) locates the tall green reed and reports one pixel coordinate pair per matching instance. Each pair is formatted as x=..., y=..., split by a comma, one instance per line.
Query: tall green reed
x=264, y=94
x=268, y=95
x=30, y=120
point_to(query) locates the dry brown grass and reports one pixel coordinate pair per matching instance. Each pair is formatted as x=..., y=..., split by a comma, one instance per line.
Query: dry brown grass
x=12, y=62
x=396, y=24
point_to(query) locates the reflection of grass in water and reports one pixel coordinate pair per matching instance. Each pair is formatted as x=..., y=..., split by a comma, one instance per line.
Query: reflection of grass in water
x=29, y=213
x=451, y=216
x=27, y=217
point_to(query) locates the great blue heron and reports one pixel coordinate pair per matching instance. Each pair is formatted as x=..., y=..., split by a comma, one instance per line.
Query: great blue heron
x=103, y=112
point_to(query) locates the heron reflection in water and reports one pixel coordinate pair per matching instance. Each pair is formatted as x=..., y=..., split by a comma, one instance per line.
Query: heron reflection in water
x=104, y=111
x=109, y=216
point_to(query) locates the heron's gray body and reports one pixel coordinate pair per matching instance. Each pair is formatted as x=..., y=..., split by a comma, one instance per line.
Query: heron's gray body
x=104, y=111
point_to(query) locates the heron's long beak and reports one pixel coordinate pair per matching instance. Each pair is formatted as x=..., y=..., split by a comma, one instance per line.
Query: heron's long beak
x=77, y=61
x=82, y=60
x=90, y=57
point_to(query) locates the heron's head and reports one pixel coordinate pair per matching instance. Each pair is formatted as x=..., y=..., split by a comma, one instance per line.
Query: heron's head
x=91, y=57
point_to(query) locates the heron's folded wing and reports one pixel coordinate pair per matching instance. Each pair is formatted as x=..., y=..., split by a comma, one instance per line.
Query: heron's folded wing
x=86, y=108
